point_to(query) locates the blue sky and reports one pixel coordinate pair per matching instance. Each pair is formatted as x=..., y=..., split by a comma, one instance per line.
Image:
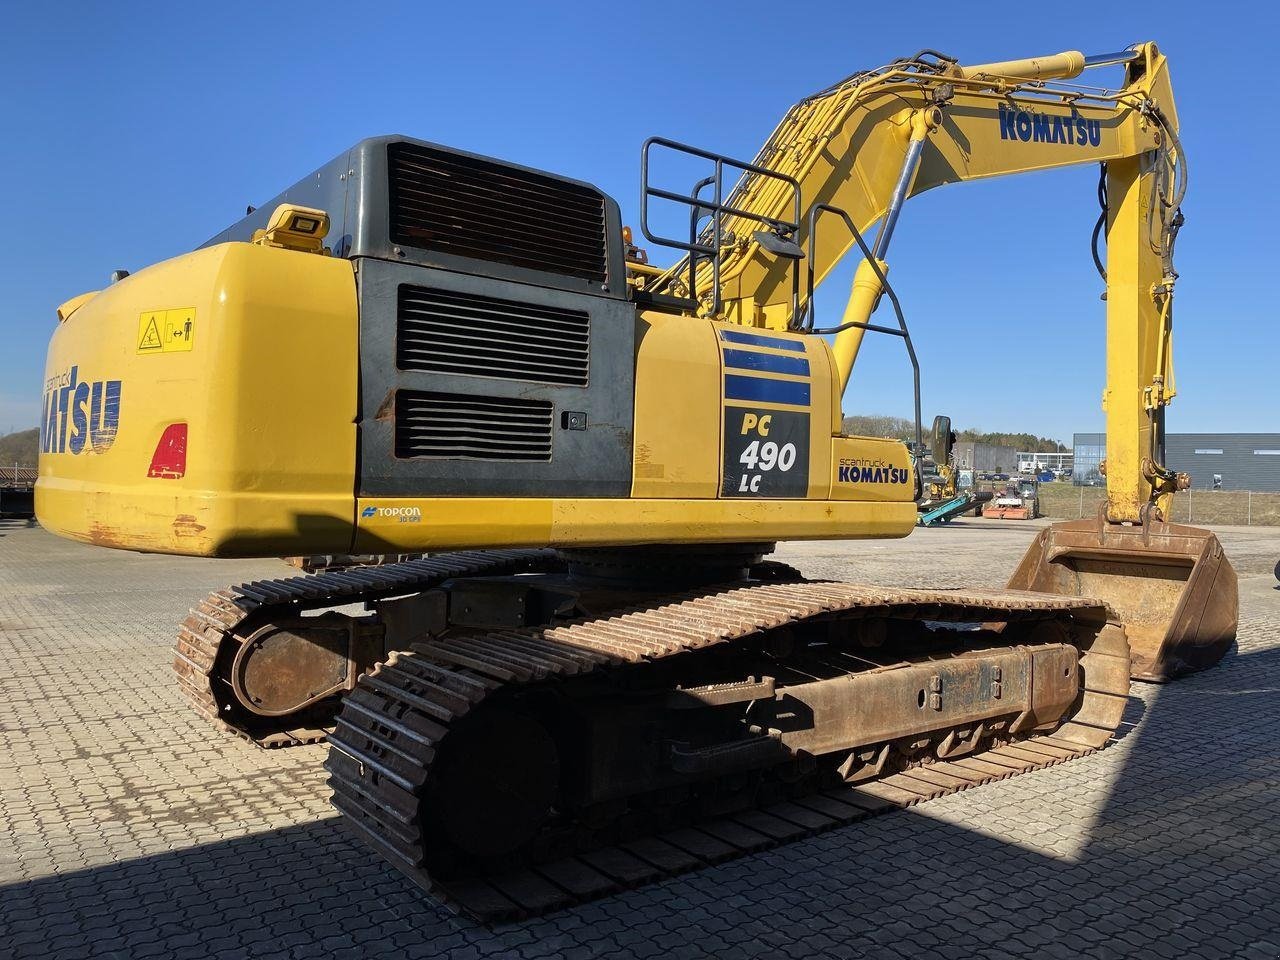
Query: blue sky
x=132, y=133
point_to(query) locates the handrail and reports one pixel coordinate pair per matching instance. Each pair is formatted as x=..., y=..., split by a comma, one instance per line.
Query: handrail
x=697, y=246
x=804, y=320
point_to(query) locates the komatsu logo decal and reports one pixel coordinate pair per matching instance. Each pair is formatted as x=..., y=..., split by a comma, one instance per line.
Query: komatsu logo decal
x=402, y=514
x=871, y=471
x=1043, y=128
x=79, y=414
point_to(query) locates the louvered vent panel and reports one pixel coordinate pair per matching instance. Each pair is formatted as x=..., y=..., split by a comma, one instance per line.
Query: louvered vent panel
x=444, y=331
x=476, y=208
x=461, y=427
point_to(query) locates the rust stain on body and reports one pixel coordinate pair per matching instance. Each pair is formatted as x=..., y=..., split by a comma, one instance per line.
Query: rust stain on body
x=185, y=525
x=106, y=536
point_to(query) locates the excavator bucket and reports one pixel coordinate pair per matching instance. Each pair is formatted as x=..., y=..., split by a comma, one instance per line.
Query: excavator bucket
x=1171, y=585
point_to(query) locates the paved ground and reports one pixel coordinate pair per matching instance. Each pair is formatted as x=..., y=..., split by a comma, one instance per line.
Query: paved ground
x=130, y=829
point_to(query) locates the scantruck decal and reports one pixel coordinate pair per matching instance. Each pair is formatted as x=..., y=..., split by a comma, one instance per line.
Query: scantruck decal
x=79, y=415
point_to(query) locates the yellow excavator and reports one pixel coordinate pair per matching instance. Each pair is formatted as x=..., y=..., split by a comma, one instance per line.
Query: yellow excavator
x=596, y=678
x=940, y=499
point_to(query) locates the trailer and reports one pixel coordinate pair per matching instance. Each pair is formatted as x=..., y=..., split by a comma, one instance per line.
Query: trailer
x=955, y=507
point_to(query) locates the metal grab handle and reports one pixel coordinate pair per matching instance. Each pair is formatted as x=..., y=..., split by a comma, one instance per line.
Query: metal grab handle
x=805, y=323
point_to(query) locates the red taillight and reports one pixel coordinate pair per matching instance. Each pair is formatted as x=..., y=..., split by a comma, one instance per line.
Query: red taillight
x=169, y=462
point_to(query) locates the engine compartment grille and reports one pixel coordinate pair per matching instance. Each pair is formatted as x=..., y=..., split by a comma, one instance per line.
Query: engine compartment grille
x=489, y=211
x=463, y=427
x=446, y=331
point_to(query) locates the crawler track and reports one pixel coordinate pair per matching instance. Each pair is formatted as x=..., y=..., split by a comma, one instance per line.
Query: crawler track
x=391, y=727
x=221, y=621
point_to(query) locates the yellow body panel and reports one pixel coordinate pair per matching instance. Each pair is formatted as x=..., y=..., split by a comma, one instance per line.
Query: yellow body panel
x=680, y=400
x=411, y=524
x=677, y=409
x=267, y=391
x=869, y=469
x=259, y=360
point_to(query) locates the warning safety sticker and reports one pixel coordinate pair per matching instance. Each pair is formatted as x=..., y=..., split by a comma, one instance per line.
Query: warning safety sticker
x=167, y=331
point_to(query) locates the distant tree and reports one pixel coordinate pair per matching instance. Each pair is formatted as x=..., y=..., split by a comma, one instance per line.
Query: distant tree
x=22, y=447
x=875, y=425
x=900, y=428
x=1026, y=442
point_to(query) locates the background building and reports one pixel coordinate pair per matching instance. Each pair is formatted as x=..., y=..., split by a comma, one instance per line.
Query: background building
x=1244, y=461
x=1088, y=450
x=985, y=457
x=1030, y=462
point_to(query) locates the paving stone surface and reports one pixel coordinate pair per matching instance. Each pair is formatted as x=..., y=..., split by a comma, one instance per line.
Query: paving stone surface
x=129, y=828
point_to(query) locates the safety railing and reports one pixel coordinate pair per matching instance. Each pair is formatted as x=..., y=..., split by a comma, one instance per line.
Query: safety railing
x=805, y=319
x=706, y=245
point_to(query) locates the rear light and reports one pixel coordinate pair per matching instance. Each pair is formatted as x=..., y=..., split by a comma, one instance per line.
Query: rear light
x=169, y=462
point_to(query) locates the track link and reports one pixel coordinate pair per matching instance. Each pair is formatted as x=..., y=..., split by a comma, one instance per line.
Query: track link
x=391, y=725
x=223, y=619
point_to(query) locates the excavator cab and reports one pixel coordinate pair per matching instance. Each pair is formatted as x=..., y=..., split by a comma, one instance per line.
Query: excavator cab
x=1171, y=586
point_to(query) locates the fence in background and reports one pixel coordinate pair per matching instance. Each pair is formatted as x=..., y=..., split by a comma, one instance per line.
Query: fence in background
x=1243, y=508
x=17, y=475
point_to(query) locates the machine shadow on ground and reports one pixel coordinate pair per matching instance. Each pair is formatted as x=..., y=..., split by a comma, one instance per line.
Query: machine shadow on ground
x=1175, y=849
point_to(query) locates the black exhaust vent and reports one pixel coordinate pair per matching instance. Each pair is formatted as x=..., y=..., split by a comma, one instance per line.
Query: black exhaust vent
x=461, y=427
x=445, y=331
x=489, y=211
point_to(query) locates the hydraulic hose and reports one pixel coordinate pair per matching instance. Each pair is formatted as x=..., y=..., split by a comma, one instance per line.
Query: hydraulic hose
x=1101, y=224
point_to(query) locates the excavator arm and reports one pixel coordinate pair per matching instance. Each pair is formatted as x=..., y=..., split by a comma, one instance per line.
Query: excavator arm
x=867, y=144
